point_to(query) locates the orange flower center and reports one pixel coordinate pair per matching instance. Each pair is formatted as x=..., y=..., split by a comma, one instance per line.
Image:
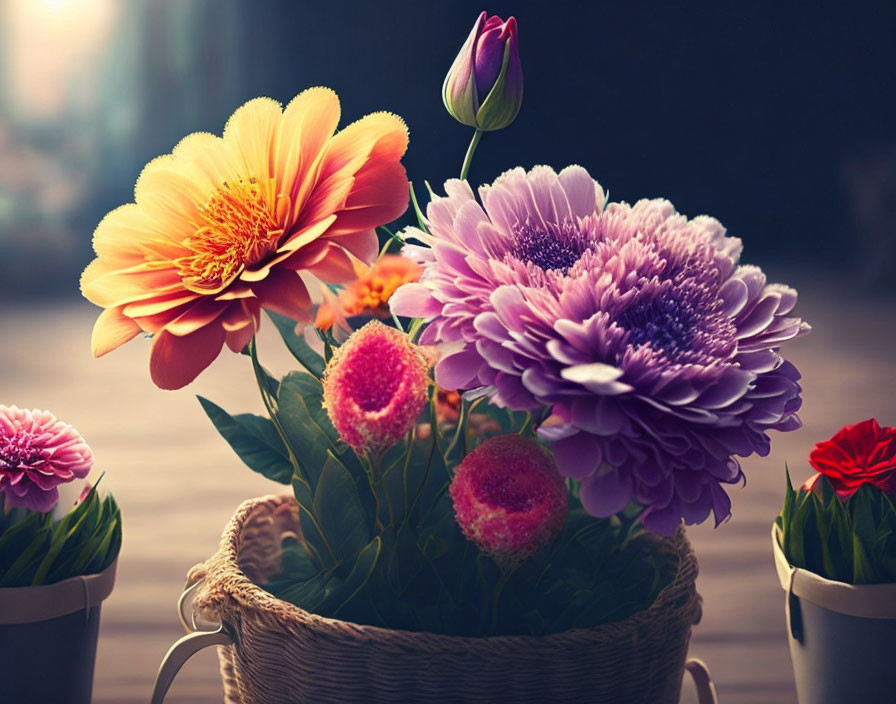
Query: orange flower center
x=237, y=230
x=377, y=292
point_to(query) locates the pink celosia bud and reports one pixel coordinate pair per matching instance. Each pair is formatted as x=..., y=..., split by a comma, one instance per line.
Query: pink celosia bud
x=375, y=387
x=509, y=497
x=37, y=454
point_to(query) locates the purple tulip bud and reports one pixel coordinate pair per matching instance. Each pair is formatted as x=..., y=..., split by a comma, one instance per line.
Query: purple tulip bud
x=484, y=88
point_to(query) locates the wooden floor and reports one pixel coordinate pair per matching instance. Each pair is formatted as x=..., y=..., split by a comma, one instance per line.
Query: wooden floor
x=178, y=483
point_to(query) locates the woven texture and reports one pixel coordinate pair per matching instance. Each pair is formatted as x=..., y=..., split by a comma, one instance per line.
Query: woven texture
x=283, y=654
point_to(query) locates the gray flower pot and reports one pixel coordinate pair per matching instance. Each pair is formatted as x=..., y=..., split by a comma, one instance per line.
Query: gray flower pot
x=48, y=637
x=842, y=636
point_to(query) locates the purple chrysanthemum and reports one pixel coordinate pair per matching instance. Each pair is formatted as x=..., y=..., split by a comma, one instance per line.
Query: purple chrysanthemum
x=658, y=354
x=37, y=454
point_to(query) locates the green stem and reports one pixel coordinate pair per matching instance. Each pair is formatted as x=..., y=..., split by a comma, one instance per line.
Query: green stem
x=270, y=407
x=421, y=220
x=468, y=159
x=505, y=575
x=422, y=485
x=404, y=472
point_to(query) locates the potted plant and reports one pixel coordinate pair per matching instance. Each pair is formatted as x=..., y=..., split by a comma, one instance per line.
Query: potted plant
x=835, y=554
x=57, y=565
x=492, y=440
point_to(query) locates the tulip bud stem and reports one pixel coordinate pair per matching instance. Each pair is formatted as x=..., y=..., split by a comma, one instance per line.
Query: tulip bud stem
x=468, y=159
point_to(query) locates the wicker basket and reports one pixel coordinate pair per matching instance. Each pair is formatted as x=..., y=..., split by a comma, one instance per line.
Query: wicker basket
x=278, y=653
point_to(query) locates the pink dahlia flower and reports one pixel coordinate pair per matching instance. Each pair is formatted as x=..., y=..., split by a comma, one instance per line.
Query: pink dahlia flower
x=657, y=352
x=509, y=498
x=37, y=454
x=375, y=387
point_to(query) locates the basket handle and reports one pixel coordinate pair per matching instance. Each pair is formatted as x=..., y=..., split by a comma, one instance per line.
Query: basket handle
x=706, y=690
x=196, y=639
x=179, y=653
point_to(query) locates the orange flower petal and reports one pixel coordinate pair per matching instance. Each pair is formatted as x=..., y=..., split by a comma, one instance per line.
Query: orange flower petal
x=156, y=322
x=237, y=339
x=239, y=316
x=298, y=242
x=364, y=245
x=204, y=158
x=240, y=323
x=308, y=123
x=380, y=195
x=111, y=330
x=115, y=288
x=336, y=267
x=126, y=237
x=380, y=137
x=237, y=291
x=285, y=293
x=158, y=304
x=200, y=314
x=251, y=133
x=175, y=361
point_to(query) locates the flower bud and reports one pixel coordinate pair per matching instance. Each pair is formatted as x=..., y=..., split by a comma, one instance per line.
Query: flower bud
x=375, y=387
x=509, y=497
x=484, y=88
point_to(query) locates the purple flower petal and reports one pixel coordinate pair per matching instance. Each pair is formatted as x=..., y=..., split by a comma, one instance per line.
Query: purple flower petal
x=654, y=349
x=607, y=492
x=458, y=370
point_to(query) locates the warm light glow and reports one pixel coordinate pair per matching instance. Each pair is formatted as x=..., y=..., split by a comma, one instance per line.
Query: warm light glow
x=48, y=46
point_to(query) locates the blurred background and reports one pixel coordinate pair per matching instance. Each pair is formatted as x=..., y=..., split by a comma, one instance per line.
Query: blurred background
x=777, y=118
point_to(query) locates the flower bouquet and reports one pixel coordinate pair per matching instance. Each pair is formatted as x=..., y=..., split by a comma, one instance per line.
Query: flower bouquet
x=56, y=567
x=835, y=552
x=501, y=414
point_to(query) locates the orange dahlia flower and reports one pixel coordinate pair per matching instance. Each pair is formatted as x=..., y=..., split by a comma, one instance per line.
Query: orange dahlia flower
x=223, y=226
x=369, y=294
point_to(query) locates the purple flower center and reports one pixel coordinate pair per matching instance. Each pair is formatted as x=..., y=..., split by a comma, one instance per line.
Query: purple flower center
x=17, y=453
x=665, y=324
x=685, y=323
x=557, y=248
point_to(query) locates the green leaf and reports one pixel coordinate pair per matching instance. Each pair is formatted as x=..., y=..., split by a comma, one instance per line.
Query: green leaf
x=787, y=514
x=296, y=344
x=356, y=580
x=863, y=570
x=15, y=539
x=339, y=511
x=307, y=595
x=298, y=565
x=68, y=527
x=254, y=439
x=306, y=423
x=21, y=570
x=802, y=517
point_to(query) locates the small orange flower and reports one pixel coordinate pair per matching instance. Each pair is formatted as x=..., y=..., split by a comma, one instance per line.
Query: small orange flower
x=447, y=405
x=369, y=294
x=223, y=226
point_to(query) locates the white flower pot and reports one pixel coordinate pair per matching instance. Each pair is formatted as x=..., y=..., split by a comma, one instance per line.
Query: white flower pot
x=842, y=636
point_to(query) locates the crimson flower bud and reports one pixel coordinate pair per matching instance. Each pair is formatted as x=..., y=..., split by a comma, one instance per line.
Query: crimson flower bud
x=509, y=497
x=484, y=88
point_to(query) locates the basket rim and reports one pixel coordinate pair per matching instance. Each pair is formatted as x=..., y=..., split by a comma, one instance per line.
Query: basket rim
x=244, y=594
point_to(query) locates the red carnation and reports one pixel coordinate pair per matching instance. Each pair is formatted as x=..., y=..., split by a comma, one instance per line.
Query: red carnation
x=858, y=454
